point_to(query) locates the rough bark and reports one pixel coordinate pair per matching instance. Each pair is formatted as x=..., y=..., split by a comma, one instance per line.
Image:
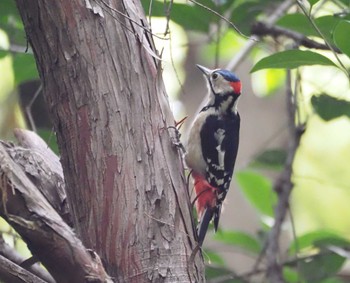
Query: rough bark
x=124, y=178
x=25, y=206
x=11, y=272
x=12, y=255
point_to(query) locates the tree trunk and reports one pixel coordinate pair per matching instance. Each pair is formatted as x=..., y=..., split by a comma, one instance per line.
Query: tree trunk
x=124, y=178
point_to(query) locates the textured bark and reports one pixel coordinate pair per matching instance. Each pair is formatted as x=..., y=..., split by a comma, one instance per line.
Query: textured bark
x=12, y=255
x=124, y=179
x=48, y=237
x=11, y=272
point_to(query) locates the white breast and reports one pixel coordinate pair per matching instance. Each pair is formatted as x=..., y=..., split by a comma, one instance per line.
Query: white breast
x=194, y=157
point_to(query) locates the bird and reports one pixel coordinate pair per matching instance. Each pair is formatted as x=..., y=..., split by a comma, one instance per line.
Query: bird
x=212, y=146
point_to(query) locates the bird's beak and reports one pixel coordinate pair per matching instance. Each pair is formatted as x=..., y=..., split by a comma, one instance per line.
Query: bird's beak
x=205, y=70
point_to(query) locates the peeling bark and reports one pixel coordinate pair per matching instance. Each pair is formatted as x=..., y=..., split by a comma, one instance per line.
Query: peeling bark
x=124, y=179
x=12, y=255
x=48, y=237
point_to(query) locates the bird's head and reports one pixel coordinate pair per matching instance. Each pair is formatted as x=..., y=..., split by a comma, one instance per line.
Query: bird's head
x=222, y=81
x=224, y=86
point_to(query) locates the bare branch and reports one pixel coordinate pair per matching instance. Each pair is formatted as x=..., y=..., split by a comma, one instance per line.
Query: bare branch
x=11, y=272
x=46, y=234
x=262, y=29
x=43, y=168
x=245, y=50
x=12, y=255
x=312, y=22
x=283, y=188
x=220, y=16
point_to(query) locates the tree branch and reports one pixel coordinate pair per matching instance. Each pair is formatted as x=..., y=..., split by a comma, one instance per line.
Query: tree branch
x=262, y=29
x=11, y=272
x=12, y=255
x=274, y=16
x=283, y=188
x=110, y=111
x=46, y=234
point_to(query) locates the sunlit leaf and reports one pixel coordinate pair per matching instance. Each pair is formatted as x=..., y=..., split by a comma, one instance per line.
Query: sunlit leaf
x=312, y=2
x=213, y=257
x=268, y=81
x=310, y=240
x=328, y=107
x=341, y=37
x=258, y=190
x=291, y=59
x=238, y=239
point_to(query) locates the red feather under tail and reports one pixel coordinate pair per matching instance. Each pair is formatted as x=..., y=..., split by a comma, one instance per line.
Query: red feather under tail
x=205, y=204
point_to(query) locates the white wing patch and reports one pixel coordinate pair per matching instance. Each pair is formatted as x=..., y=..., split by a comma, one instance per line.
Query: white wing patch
x=219, y=136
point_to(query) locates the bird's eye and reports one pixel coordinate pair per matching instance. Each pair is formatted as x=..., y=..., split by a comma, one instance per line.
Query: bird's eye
x=215, y=76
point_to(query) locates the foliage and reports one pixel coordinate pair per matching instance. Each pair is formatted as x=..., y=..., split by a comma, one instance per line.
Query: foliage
x=315, y=256
x=306, y=255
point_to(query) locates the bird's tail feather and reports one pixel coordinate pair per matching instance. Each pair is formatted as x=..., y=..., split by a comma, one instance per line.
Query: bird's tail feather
x=217, y=212
x=204, y=223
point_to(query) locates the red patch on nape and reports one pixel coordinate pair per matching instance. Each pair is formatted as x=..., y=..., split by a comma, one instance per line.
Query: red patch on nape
x=237, y=87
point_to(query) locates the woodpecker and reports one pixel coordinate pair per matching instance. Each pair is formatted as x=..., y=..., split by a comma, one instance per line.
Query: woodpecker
x=212, y=146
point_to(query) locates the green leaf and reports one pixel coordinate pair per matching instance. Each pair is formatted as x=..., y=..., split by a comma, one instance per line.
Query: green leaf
x=3, y=53
x=300, y=23
x=24, y=67
x=341, y=37
x=271, y=158
x=213, y=257
x=313, y=2
x=328, y=107
x=238, y=239
x=245, y=13
x=297, y=22
x=332, y=242
x=258, y=190
x=314, y=239
x=320, y=267
x=190, y=17
x=212, y=272
x=290, y=275
x=291, y=59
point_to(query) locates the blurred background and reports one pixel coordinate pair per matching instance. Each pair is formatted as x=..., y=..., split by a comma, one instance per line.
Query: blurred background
x=188, y=34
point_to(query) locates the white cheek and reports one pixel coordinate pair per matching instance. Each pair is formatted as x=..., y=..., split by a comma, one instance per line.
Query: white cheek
x=221, y=86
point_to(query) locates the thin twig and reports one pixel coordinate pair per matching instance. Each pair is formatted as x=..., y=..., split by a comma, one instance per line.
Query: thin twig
x=14, y=48
x=272, y=19
x=296, y=244
x=220, y=16
x=283, y=188
x=303, y=8
x=28, y=108
x=128, y=18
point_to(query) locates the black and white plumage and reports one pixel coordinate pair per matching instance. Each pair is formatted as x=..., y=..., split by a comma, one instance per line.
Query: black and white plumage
x=213, y=144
